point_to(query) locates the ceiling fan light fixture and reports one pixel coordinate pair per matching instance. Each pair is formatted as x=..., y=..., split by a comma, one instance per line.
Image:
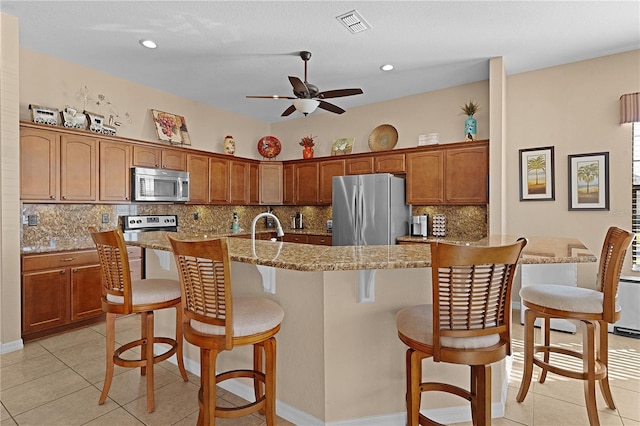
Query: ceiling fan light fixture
x=306, y=106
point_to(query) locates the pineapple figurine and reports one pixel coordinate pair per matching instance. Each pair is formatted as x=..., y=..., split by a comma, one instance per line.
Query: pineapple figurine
x=470, y=109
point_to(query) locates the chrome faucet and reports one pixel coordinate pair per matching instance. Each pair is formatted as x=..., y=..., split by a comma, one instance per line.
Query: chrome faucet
x=280, y=232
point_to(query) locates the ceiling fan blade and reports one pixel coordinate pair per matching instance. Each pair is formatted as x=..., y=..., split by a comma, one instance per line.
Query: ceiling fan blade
x=288, y=111
x=339, y=93
x=330, y=107
x=298, y=85
x=272, y=97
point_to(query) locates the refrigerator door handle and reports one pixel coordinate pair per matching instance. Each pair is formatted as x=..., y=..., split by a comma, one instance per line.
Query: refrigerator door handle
x=354, y=206
x=360, y=213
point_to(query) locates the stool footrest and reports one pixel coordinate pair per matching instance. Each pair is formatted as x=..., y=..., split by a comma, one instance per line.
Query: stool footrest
x=243, y=410
x=141, y=362
x=600, y=369
x=445, y=387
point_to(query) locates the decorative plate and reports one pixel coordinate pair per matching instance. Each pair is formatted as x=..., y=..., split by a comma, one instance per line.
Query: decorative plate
x=269, y=146
x=383, y=138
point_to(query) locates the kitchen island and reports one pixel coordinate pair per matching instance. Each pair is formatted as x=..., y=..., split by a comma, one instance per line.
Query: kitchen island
x=340, y=361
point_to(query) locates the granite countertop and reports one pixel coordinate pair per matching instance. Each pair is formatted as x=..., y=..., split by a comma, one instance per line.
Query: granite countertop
x=305, y=257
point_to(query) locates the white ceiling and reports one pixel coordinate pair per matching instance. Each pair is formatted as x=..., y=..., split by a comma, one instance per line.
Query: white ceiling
x=216, y=52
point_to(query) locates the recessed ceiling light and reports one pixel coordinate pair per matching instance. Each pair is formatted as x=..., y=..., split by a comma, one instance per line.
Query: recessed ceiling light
x=386, y=67
x=149, y=44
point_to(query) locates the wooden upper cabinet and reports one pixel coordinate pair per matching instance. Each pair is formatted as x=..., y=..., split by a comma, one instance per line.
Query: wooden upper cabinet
x=359, y=166
x=159, y=158
x=329, y=169
x=271, y=187
x=306, y=177
x=238, y=182
x=466, y=175
x=389, y=163
x=78, y=172
x=39, y=158
x=218, y=180
x=425, y=172
x=115, y=171
x=198, y=168
x=147, y=156
x=288, y=183
x=254, y=183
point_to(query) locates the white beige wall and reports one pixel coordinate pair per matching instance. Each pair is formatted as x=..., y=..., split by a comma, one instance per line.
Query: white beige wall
x=575, y=108
x=9, y=187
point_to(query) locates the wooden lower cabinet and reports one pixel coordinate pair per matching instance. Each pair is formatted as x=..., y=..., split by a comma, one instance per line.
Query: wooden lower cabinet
x=324, y=240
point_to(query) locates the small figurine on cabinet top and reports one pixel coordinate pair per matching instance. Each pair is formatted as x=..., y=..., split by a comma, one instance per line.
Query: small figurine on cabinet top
x=229, y=145
x=44, y=115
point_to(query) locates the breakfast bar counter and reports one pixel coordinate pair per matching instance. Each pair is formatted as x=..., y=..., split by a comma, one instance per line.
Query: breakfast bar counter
x=339, y=360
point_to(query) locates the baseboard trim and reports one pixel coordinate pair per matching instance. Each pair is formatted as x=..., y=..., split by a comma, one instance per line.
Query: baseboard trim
x=16, y=345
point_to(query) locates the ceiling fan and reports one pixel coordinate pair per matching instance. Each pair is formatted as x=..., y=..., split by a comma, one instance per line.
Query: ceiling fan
x=308, y=97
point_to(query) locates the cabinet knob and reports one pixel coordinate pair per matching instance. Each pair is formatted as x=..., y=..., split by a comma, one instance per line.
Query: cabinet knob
x=68, y=259
x=64, y=197
x=52, y=196
x=63, y=272
x=75, y=270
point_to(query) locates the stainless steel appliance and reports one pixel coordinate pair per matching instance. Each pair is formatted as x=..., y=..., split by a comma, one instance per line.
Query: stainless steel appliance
x=420, y=225
x=145, y=223
x=159, y=185
x=369, y=210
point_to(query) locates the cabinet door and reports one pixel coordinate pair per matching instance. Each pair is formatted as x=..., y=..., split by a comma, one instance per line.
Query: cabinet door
x=198, y=168
x=389, y=163
x=238, y=182
x=306, y=183
x=173, y=159
x=45, y=299
x=86, y=291
x=329, y=169
x=271, y=188
x=146, y=156
x=218, y=180
x=78, y=172
x=288, y=183
x=359, y=166
x=425, y=178
x=115, y=171
x=39, y=154
x=466, y=175
x=254, y=183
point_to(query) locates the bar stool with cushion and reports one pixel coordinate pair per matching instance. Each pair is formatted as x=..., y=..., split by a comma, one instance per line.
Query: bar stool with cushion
x=593, y=308
x=468, y=323
x=215, y=321
x=122, y=296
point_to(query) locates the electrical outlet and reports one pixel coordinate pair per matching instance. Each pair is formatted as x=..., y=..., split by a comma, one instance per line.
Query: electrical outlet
x=195, y=216
x=105, y=217
x=32, y=220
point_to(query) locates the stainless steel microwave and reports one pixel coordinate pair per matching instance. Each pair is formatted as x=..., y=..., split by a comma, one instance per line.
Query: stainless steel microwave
x=159, y=185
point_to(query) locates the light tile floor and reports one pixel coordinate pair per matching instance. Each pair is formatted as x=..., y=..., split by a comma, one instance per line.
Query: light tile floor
x=57, y=381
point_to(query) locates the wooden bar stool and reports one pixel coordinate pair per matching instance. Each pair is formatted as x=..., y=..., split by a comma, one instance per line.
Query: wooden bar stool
x=468, y=323
x=593, y=308
x=215, y=321
x=122, y=296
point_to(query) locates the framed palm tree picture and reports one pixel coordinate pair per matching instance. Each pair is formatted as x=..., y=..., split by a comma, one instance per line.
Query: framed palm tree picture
x=537, y=175
x=589, y=181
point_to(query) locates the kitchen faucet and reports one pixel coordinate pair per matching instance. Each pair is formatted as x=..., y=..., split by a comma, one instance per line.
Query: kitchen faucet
x=280, y=232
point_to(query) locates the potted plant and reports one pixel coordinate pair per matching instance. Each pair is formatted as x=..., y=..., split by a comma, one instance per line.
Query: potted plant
x=470, y=108
x=308, y=143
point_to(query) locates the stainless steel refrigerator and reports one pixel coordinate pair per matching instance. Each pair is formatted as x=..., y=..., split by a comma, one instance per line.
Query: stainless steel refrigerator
x=369, y=210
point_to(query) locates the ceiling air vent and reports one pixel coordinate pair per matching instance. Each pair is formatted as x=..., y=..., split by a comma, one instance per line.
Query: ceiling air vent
x=354, y=22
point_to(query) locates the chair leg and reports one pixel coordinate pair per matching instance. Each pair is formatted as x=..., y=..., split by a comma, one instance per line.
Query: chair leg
x=481, y=394
x=529, y=331
x=588, y=365
x=546, y=341
x=148, y=354
x=258, y=366
x=414, y=378
x=270, y=380
x=208, y=384
x=111, y=347
x=602, y=355
x=143, y=336
x=180, y=343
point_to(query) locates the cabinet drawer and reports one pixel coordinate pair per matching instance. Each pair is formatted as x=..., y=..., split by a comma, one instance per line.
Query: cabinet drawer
x=134, y=252
x=58, y=260
x=320, y=240
x=294, y=238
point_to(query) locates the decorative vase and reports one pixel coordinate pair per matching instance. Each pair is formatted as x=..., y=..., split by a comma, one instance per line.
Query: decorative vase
x=229, y=145
x=307, y=152
x=470, y=129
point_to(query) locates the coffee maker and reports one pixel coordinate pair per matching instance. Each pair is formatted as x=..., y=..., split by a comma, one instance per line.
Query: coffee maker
x=419, y=225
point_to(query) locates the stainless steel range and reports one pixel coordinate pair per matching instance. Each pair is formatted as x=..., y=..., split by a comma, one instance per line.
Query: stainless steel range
x=147, y=223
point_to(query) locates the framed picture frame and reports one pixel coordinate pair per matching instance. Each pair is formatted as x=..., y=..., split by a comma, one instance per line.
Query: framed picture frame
x=537, y=174
x=342, y=146
x=170, y=127
x=589, y=181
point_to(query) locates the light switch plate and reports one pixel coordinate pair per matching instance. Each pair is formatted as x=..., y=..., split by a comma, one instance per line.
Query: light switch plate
x=32, y=220
x=105, y=217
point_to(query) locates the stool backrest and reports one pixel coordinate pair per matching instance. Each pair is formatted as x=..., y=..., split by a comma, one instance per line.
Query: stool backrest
x=614, y=249
x=114, y=260
x=205, y=282
x=472, y=290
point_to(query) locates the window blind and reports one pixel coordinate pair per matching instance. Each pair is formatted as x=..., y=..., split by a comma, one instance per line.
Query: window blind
x=635, y=195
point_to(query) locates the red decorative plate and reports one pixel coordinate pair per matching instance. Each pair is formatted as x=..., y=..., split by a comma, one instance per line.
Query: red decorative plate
x=269, y=146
